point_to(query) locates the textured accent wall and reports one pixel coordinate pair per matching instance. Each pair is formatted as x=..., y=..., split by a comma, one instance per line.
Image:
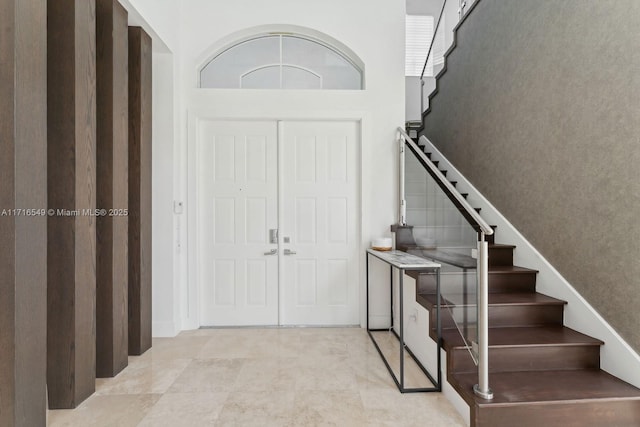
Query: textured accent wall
x=540, y=109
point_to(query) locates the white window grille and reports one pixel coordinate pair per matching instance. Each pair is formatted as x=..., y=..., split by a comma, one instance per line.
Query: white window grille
x=281, y=61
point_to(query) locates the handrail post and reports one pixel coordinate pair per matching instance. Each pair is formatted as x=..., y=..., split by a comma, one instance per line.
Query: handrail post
x=402, y=220
x=482, y=388
x=421, y=96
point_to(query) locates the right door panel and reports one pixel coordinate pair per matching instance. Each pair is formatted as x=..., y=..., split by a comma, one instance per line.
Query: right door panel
x=320, y=214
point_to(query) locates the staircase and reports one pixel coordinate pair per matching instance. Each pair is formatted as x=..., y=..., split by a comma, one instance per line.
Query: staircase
x=541, y=372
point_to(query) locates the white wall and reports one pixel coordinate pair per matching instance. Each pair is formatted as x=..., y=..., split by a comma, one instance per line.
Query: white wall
x=159, y=18
x=185, y=34
x=163, y=288
x=413, y=100
x=426, y=7
x=372, y=29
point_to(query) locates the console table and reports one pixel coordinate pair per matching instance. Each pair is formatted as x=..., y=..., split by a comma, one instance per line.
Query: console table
x=403, y=261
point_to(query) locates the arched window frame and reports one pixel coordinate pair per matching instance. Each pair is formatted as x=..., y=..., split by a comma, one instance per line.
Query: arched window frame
x=346, y=56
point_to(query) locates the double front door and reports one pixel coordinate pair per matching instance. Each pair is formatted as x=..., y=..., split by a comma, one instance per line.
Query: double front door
x=278, y=222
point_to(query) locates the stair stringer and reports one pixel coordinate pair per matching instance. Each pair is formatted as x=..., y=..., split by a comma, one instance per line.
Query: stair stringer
x=616, y=356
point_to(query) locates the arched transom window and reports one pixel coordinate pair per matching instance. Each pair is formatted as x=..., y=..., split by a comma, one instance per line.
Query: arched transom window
x=281, y=61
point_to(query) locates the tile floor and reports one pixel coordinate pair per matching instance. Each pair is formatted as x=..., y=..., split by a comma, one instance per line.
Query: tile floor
x=259, y=377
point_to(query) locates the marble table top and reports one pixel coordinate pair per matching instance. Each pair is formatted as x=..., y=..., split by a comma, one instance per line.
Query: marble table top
x=403, y=260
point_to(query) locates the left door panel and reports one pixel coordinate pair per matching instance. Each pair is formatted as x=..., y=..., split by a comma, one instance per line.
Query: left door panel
x=236, y=207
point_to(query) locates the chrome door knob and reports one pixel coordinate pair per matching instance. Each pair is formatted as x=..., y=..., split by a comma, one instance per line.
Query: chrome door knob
x=271, y=252
x=289, y=252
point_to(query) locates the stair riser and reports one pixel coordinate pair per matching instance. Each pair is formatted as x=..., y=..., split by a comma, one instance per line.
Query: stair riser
x=509, y=316
x=512, y=282
x=498, y=283
x=529, y=315
x=452, y=283
x=619, y=413
x=500, y=257
x=530, y=358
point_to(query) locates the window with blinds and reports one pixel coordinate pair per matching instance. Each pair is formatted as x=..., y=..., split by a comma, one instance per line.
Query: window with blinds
x=419, y=33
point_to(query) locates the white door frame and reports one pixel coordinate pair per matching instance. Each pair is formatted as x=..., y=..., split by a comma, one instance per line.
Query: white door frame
x=190, y=294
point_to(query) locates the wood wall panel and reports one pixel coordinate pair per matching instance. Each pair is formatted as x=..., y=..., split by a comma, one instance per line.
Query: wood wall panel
x=23, y=248
x=139, y=191
x=112, y=188
x=71, y=153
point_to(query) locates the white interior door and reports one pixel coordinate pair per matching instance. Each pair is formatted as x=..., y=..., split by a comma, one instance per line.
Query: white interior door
x=309, y=276
x=319, y=223
x=237, y=193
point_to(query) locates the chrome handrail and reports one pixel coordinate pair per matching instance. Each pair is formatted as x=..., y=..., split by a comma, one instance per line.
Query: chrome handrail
x=481, y=223
x=433, y=39
x=482, y=388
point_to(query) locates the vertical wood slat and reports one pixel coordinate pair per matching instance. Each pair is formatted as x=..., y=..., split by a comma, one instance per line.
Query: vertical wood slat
x=139, y=191
x=71, y=268
x=23, y=239
x=112, y=188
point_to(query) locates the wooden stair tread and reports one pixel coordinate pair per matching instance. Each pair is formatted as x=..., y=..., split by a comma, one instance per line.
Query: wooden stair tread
x=495, y=299
x=501, y=246
x=527, y=387
x=458, y=260
x=463, y=261
x=506, y=269
x=525, y=337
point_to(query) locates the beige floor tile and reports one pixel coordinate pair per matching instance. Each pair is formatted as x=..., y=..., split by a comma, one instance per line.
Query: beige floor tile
x=322, y=346
x=370, y=372
x=262, y=377
x=391, y=408
x=268, y=375
x=144, y=376
x=324, y=373
x=258, y=409
x=180, y=347
x=329, y=408
x=329, y=341
x=227, y=346
x=414, y=377
x=105, y=411
x=274, y=343
x=251, y=343
x=207, y=375
x=185, y=409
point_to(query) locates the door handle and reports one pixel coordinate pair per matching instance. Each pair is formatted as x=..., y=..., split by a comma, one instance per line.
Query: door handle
x=289, y=252
x=271, y=252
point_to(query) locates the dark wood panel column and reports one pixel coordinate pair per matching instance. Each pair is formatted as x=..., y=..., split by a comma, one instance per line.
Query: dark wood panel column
x=71, y=329
x=139, y=191
x=112, y=188
x=23, y=238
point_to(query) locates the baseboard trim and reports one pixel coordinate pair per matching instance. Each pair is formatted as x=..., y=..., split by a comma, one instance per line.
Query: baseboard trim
x=164, y=330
